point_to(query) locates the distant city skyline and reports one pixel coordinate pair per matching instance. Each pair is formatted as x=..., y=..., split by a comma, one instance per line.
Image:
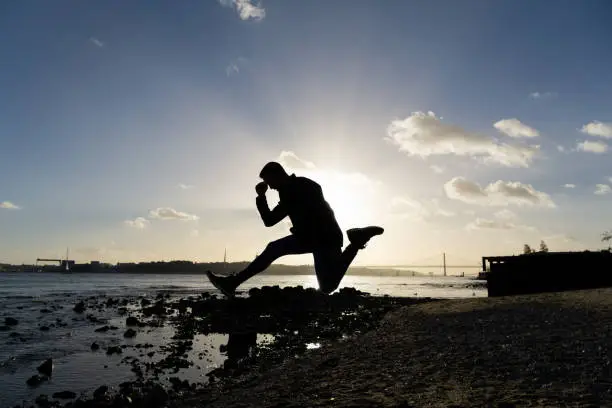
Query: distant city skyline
x=136, y=131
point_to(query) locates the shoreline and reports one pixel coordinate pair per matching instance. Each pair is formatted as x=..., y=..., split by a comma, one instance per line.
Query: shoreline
x=267, y=326
x=541, y=350
x=355, y=350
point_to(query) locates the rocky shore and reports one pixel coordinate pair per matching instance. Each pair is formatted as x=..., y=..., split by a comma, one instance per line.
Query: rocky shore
x=355, y=350
x=544, y=350
x=294, y=320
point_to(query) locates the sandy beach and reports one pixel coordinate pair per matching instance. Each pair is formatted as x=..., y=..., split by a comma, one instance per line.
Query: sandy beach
x=544, y=350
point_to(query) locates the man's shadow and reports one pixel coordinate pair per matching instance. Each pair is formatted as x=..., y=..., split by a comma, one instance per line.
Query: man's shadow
x=240, y=346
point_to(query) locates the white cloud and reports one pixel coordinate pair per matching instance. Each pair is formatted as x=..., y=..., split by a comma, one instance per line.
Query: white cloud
x=569, y=185
x=597, y=128
x=246, y=9
x=185, y=186
x=499, y=193
x=139, y=223
x=291, y=161
x=542, y=95
x=592, y=147
x=232, y=69
x=167, y=213
x=437, y=169
x=610, y=179
x=483, y=224
x=7, y=205
x=424, y=134
x=96, y=42
x=561, y=148
x=194, y=233
x=505, y=214
x=414, y=210
x=601, y=189
x=515, y=128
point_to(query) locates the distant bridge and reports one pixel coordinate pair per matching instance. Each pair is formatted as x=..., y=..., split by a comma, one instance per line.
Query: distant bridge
x=424, y=263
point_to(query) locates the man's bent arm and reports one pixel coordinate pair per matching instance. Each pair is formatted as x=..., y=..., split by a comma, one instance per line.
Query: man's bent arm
x=269, y=217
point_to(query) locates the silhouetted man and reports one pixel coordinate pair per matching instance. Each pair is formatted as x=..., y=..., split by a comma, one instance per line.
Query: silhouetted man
x=314, y=230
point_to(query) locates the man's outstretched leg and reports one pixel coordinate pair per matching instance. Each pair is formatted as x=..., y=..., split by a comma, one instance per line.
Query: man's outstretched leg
x=331, y=264
x=289, y=245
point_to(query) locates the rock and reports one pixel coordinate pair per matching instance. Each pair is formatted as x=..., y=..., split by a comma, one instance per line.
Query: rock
x=46, y=368
x=114, y=350
x=64, y=395
x=14, y=334
x=9, y=321
x=35, y=380
x=145, y=302
x=100, y=392
x=94, y=346
x=44, y=328
x=129, y=333
x=131, y=321
x=43, y=401
x=79, y=307
x=102, y=329
x=4, y=328
x=45, y=311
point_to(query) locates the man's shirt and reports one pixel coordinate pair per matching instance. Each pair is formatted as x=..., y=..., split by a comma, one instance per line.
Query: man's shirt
x=302, y=200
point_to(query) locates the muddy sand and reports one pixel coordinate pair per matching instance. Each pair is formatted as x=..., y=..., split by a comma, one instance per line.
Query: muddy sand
x=544, y=350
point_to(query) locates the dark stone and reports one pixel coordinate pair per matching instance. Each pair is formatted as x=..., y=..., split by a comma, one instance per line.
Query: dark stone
x=102, y=329
x=35, y=380
x=94, y=346
x=64, y=395
x=44, y=328
x=129, y=333
x=46, y=368
x=4, y=328
x=145, y=302
x=9, y=321
x=114, y=350
x=14, y=334
x=43, y=401
x=131, y=321
x=79, y=307
x=100, y=392
x=151, y=353
x=45, y=311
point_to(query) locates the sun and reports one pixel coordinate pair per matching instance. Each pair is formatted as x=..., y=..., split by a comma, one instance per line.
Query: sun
x=350, y=196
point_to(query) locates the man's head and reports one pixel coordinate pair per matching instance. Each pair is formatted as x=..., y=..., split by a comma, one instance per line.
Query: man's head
x=274, y=175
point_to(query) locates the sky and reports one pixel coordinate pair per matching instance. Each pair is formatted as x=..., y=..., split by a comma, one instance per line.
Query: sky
x=135, y=131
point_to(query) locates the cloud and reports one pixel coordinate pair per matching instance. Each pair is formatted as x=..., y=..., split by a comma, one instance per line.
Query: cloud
x=561, y=148
x=185, y=186
x=291, y=161
x=484, y=224
x=414, y=210
x=138, y=223
x=597, y=128
x=515, y=128
x=569, y=185
x=602, y=189
x=167, y=213
x=246, y=9
x=505, y=214
x=7, y=205
x=424, y=134
x=232, y=69
x=542, y=95
x=592, y=147
x=499, y=193
x=194, y=233
x=96, y=42
x=437, y=169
